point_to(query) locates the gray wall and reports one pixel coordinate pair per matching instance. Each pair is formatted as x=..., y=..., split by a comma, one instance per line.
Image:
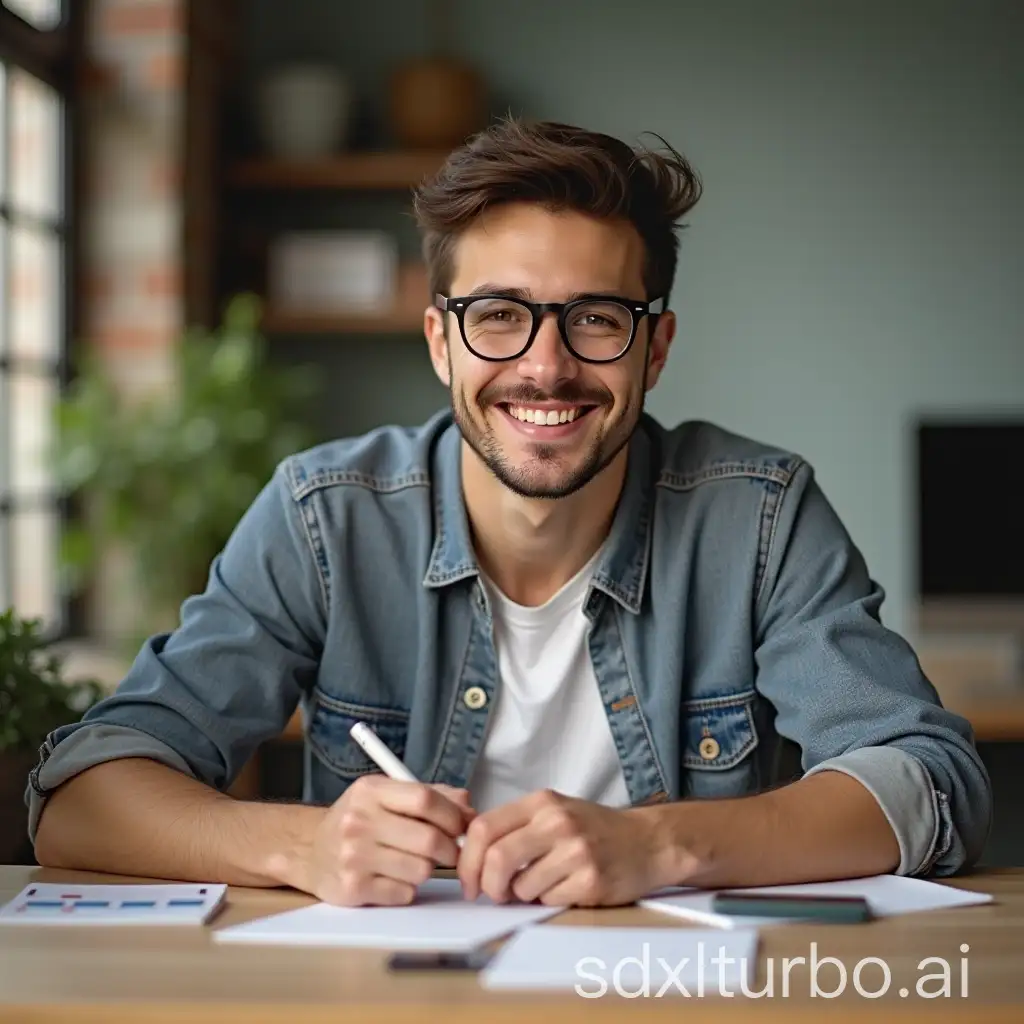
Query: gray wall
x=857, y=258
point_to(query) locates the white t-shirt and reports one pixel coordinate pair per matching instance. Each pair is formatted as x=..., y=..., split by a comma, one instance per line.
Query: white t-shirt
x=549, y=729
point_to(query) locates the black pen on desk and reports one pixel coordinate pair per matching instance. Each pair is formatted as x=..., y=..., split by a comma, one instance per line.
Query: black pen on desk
x=796, y=906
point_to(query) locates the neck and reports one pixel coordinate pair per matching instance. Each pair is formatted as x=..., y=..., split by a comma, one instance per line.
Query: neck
x=531, y=547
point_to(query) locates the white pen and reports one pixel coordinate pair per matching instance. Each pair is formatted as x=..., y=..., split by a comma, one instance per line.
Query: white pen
x=377, y=750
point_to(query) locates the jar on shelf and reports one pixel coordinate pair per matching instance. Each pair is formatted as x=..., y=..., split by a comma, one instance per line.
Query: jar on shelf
x=304, y=111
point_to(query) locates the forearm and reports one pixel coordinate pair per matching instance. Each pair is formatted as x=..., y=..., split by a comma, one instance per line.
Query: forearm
x=822, y=827
x=137, y=817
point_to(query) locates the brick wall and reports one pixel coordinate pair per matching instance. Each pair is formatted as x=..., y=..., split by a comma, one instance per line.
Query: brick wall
x=131, y=238
x=132, y=229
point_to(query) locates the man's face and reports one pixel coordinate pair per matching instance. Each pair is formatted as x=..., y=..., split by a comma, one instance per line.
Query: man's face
x=547, y=257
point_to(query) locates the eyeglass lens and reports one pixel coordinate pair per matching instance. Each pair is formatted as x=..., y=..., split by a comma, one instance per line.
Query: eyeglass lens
x=500, y=328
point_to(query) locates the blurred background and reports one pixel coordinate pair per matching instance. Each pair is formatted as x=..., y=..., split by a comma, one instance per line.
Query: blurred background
x=207, y=260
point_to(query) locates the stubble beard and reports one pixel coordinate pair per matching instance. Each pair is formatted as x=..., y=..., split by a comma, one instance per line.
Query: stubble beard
x=600, y=452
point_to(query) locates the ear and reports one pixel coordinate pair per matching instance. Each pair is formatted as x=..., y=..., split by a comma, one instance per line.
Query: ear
x=657, y=350
x=437, y=344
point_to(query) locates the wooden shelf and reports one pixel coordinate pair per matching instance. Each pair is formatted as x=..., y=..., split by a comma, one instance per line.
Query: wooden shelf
x=399, y=322
x=992, y=718
x=395, y=170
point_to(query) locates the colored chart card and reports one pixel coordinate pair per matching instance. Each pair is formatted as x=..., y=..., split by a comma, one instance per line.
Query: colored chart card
x=48, y=903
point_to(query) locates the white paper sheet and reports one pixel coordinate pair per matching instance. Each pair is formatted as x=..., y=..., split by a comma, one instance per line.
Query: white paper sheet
x=888, y=895
x=625, y=961
x=50, y=903
x=440, y=919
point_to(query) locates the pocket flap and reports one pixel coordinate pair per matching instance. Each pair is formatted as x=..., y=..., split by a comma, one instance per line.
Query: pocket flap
x=718, y=731
x=331, y=725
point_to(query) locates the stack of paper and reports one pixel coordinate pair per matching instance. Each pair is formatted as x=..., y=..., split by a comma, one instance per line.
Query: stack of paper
x=626, y=961
x=439, y=919
x=53, y=903
x=888, y=895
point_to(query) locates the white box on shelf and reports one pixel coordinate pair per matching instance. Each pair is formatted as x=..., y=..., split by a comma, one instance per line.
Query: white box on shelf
x=332, y=271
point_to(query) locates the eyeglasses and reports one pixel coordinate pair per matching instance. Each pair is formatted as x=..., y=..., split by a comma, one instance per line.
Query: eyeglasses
x=595, y=329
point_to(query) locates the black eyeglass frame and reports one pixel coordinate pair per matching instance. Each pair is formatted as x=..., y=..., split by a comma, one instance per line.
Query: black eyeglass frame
x=637, y=310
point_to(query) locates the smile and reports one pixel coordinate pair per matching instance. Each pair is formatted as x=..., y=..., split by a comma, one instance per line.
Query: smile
x=545, y=421
x=545, y=416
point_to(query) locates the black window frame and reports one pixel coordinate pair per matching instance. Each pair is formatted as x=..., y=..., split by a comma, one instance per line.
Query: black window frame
x=54, y=56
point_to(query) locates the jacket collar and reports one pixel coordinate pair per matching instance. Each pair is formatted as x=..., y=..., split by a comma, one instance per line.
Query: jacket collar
x=452, y=558
x=621, y=571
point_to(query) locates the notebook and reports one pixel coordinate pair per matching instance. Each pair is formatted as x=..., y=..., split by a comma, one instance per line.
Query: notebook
x=888, y=895
x=50, y=903
x=631, y=962
x=440, y=919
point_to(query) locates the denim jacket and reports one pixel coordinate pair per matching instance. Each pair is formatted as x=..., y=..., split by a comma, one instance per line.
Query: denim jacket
x=732, y=619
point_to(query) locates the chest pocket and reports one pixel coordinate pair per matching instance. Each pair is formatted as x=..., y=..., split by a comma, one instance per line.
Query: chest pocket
x=718, y=739
x=329, y=740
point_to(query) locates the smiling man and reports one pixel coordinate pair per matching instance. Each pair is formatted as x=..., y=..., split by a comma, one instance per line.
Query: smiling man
x=593, y=637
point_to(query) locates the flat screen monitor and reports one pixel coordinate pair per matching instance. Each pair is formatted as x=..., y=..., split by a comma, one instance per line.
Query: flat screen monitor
x=970, y=514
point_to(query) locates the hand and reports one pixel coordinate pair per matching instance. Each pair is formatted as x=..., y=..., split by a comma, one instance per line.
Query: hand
x=560, y=851
x=382, y=838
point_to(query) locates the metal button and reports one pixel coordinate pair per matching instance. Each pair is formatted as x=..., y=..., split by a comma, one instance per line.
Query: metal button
x=709, y=748
x=475, y=698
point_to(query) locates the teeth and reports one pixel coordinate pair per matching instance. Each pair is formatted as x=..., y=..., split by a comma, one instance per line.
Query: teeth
x=546, y=417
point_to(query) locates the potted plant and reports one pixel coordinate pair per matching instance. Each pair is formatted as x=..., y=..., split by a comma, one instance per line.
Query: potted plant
x=163, y=481
x=34, y=699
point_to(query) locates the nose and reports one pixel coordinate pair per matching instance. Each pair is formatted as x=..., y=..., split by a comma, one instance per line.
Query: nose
x=547, y=361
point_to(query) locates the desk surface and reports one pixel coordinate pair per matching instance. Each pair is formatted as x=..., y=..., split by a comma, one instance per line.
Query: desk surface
x=121, y=975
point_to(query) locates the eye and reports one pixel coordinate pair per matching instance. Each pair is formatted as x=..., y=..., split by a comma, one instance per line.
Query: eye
x=600, y=318
x=496, y=313
x=595, y=320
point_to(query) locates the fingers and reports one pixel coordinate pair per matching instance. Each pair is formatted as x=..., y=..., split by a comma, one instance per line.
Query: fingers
x=461, y=797
x=366, y=890
x=414, y=800
x=569, y=892
x=384, y=838
x=471, y=858
x=367, y=849
x=397, y=864
x=484, y=832
x=388, y=892
x=416, y=837
x=545, y=878
x=505, y=859
x=458, y=796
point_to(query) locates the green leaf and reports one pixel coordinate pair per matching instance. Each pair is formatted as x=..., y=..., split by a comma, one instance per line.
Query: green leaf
x=34, y=696
x=169, y=478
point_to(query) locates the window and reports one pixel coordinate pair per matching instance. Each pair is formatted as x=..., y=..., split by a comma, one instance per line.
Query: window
x=35, y=62
x=42, y=14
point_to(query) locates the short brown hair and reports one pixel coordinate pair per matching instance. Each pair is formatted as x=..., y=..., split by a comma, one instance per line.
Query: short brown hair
x=564, y=168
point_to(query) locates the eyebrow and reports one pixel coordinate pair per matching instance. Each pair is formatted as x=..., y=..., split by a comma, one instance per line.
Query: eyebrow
x=525, y=294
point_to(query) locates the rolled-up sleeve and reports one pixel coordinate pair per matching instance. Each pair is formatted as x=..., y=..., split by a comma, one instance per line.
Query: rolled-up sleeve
x=906, y=795
x=85, y=747
x=202, y=698
x=852, y=695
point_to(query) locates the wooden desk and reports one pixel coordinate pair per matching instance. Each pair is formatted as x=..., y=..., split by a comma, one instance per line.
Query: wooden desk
x=139, y=976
